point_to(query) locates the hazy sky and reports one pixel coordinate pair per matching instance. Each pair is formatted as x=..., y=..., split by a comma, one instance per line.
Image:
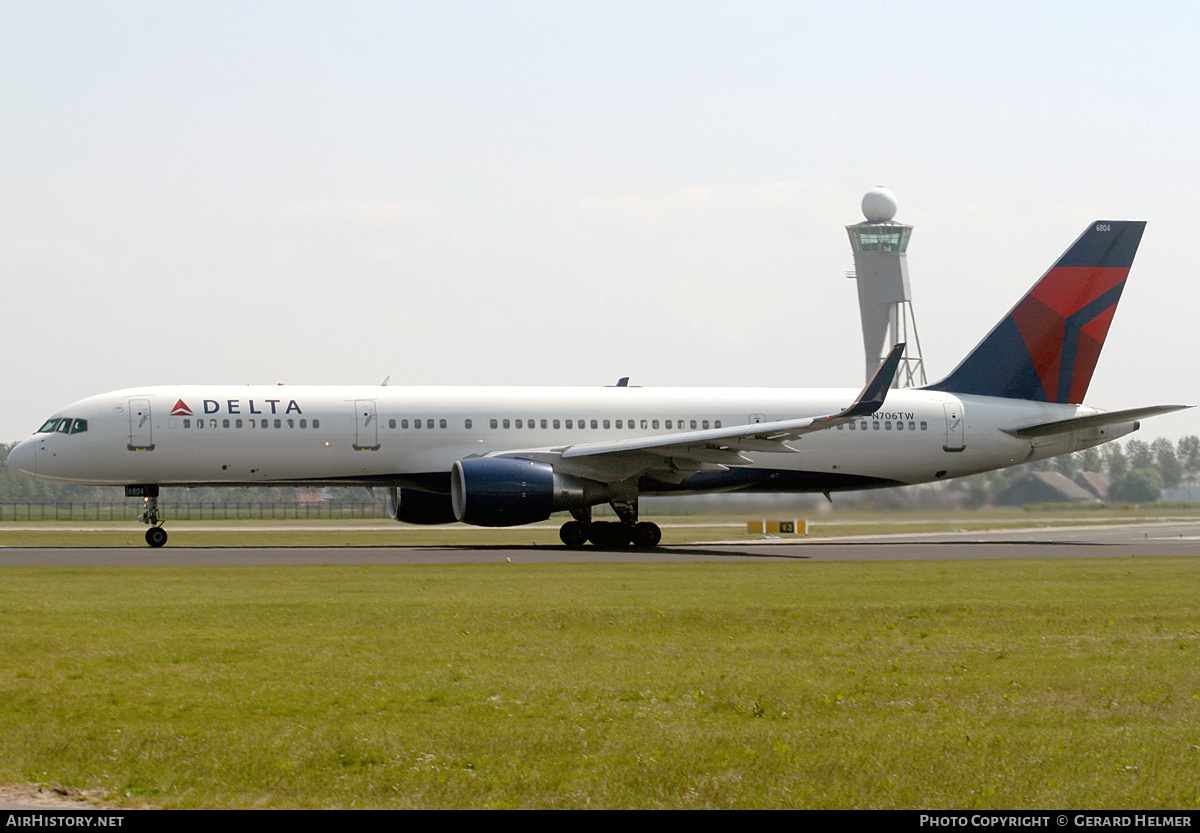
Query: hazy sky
x=569, y=192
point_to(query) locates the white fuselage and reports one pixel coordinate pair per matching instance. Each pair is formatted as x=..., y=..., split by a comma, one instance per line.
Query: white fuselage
x=412, y=436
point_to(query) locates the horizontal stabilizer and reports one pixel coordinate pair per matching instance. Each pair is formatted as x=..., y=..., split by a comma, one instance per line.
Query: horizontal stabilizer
x=1066, y=426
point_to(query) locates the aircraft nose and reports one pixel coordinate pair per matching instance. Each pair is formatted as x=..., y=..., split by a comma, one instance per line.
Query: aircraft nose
x=21, y=457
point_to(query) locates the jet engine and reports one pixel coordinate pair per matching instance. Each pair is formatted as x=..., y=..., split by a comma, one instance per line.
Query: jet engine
x=509, y=491
x=415, y=507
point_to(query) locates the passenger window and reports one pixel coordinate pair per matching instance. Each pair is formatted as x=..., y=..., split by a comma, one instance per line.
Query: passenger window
x=441, y=423
x=668, y=424
x=556, y=423
x=505, y=423
x=594, y=425
x=278, y=424
x=618, y=423
x=391, y=423
x=518, y=424
x=291, y=423
x=494, y=424
x=693, y=423
x=606, y=424
x=316, y=423
x=924, y=425
x=404, y=423
x=212, y=423
x=645, y=425
x=187, y=423
x=224, y=423
x=304, y=423
x=569, y=423
x=467, y=424
x=717, y=424
x=704, y=424
x=416, y=423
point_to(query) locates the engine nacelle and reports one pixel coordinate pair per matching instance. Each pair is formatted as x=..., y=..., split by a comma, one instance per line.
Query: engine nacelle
x=414, y=507
x=509, y=491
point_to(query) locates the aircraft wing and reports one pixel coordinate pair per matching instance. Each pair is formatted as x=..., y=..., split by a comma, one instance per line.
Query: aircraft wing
x=1065, y=426
x=712, y=449
x=760, y=436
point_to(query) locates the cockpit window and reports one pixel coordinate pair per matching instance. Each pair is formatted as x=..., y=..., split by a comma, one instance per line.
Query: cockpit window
x=65, y=425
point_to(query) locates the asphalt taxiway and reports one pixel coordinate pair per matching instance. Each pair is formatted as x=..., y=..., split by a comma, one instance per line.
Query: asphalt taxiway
x=1108, y=541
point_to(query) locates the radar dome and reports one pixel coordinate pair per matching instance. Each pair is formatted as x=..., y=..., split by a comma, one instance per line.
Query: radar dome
x=879, y=205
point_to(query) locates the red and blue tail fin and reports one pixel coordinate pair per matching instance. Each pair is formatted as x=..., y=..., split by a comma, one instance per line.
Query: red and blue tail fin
x=1046, y=348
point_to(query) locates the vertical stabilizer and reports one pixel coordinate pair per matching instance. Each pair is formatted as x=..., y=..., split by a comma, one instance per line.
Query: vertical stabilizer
x=1046, y=348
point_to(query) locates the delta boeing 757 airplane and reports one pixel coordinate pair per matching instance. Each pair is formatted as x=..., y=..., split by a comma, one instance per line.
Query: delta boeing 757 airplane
x=495, y=456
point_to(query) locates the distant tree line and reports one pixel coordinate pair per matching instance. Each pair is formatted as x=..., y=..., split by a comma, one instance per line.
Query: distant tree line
x=1137, y=471
x=16, y=487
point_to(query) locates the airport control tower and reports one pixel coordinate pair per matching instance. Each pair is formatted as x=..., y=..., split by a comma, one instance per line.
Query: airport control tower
x=884, y=299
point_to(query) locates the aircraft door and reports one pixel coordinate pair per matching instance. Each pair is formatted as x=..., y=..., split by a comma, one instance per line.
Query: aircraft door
x=366, y=435
x=956, y=439
x=141, y=426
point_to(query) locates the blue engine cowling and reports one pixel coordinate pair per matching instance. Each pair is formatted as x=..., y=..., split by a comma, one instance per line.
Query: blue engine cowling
x=414, y=507
x=509, y=491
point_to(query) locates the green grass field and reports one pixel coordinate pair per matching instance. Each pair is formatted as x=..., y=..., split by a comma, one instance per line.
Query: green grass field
x=997, y=684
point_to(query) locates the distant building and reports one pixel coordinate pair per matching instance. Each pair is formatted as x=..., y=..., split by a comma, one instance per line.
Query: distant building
x=1094, y=482
x=1044, y=487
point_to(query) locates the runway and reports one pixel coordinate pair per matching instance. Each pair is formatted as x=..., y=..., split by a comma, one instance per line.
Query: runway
x=1115, y=541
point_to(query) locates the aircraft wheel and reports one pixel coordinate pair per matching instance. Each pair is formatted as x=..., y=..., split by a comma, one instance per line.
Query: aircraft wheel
x=646, y=535
x=609, y=535
x=156, y=536
x=574, y=534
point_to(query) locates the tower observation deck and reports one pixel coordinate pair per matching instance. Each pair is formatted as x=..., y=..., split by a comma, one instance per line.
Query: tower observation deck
x=884, y=298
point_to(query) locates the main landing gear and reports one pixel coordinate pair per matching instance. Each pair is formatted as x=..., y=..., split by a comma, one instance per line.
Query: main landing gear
x=611, y=535
x=156, y=536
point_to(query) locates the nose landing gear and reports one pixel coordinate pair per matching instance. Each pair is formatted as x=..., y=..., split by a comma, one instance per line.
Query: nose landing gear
x=156, y=536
